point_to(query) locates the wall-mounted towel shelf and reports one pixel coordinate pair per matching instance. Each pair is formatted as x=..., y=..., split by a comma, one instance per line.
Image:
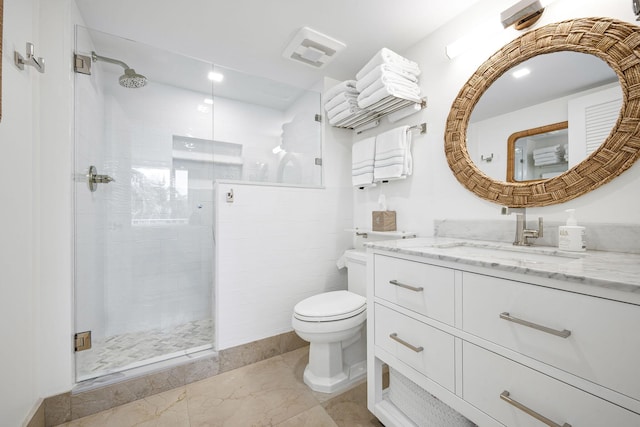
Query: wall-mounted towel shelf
x=375, y=112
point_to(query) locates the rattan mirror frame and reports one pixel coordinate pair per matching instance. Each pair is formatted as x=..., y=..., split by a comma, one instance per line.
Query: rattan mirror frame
x=618, y=44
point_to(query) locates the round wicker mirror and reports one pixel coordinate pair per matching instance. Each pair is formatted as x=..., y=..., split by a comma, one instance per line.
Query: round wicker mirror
x=615, y=42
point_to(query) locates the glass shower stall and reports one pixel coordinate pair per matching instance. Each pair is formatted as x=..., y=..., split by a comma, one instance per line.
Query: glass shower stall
x=143, y=204
x=146, y=159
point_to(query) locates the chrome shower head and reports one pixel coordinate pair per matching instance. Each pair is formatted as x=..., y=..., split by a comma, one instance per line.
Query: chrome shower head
x=130, y=79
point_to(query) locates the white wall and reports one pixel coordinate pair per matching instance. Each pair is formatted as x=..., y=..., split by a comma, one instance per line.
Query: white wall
x=35, y=249
x=433, y=192
x=18, y=222
x=278, y=245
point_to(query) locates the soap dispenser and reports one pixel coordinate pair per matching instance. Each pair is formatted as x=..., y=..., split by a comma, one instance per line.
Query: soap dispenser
x=571, y=236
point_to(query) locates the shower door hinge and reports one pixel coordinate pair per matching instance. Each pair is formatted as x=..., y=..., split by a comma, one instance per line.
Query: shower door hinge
x=318, y=161
x=82, y=64
x=318, y=118
x=82, y=341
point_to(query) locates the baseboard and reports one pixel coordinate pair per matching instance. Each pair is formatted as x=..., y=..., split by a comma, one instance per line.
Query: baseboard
x=35, y=418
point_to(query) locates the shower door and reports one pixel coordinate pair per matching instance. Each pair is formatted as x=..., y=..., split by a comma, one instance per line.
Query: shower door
x=143, y=225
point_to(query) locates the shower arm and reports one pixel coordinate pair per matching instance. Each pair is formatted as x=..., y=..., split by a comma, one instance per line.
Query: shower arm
x=95, y=57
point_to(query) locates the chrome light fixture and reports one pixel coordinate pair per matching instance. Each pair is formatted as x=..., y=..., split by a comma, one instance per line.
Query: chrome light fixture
x=522, y=14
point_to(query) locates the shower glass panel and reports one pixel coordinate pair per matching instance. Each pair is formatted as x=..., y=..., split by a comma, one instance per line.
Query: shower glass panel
x=143, y=241
x=149, y=145
x=277, y=126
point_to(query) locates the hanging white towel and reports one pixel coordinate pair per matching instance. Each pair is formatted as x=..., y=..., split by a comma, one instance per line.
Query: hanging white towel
x=387, y=56
x=393, y=154
x=362, y=161
x=381, y=70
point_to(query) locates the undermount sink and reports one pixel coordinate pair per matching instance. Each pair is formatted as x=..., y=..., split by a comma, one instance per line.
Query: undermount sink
x=530, y=254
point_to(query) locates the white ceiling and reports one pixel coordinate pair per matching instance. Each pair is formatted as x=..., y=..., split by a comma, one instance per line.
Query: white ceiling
x=250, y=35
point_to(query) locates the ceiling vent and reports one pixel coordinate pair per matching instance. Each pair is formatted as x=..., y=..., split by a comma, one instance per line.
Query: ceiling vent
x=312, y=48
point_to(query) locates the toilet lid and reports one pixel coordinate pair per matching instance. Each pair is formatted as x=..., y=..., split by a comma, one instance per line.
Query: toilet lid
x=330, y=306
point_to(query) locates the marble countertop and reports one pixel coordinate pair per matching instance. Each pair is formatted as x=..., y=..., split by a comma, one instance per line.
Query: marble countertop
x=612, y=270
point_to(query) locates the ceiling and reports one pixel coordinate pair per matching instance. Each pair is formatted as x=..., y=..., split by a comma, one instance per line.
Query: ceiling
x=250, y=35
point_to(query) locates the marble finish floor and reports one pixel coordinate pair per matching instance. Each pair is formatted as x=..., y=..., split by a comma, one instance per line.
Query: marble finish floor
x=125, y=351
x=266, y=393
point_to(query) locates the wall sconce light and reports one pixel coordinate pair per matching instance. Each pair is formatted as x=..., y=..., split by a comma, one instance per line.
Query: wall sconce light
x=522, y=15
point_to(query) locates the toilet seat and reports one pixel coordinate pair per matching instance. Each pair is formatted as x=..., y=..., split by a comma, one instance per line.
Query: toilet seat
x=330, y=307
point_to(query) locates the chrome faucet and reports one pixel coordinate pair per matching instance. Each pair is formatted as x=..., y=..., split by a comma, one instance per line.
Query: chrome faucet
x=522, y=233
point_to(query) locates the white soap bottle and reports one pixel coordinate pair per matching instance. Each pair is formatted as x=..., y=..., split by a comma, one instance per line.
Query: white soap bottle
x=571, y=236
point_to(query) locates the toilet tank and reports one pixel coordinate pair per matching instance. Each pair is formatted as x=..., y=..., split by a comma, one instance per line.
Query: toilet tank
x=356, y=262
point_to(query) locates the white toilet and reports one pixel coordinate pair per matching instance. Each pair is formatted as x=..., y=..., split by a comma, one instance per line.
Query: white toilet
x=335, y=325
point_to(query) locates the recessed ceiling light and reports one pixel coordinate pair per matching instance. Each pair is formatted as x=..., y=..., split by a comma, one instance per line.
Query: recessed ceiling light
x=521, y=73
x=208, y=101
x=216, y=77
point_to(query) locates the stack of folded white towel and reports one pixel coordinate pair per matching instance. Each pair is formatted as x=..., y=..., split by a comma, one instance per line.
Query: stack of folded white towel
x=548, y=155
x=382, y=158
x=341, y=102
x=387, y=74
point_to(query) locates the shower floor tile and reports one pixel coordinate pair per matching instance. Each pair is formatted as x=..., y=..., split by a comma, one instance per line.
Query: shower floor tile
x=126, y=351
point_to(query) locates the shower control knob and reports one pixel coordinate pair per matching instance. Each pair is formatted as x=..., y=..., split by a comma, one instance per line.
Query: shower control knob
x=93, y=178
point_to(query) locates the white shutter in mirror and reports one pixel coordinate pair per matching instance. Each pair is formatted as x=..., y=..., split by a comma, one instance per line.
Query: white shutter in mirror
x=599, y=120
x=591, y=118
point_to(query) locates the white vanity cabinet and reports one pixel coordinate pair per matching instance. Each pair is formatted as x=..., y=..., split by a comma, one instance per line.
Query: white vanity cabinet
x=501, y=348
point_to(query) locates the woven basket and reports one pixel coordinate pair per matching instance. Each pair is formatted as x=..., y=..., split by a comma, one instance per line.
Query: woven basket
x=615, y=42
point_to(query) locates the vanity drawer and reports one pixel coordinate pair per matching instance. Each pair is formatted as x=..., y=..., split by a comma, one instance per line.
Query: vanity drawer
x=600, y=341
x=423, y=288
x=424, y=348
x=488, y=375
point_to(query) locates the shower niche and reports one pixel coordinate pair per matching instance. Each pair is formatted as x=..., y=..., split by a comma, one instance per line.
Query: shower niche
x=144, y=245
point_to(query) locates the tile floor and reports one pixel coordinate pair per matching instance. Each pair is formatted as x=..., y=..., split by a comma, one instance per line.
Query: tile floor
x=267, y=393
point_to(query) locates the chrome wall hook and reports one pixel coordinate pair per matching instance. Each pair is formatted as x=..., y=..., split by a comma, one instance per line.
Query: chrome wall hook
x=21, y=61
x=487, y=159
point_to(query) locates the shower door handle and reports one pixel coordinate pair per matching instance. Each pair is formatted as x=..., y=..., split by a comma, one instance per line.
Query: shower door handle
x=93, y=178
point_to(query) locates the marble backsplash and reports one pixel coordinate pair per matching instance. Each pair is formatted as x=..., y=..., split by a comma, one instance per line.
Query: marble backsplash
x=599, y=236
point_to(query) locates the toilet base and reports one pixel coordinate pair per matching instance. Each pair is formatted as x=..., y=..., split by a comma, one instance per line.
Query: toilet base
x=334, y=366
x=341, y=381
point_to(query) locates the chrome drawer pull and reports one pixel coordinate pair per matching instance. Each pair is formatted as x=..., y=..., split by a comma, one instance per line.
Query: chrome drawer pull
x=394, y=337
x=563, y=333
x=402, y=285
x=505, y=396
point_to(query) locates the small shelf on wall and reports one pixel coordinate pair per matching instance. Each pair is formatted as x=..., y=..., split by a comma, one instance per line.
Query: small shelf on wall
x=371, y=117
x=364, y=232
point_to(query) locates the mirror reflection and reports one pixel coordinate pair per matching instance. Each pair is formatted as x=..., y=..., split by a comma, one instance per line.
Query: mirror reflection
x=539, y=153
x=548, y=89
